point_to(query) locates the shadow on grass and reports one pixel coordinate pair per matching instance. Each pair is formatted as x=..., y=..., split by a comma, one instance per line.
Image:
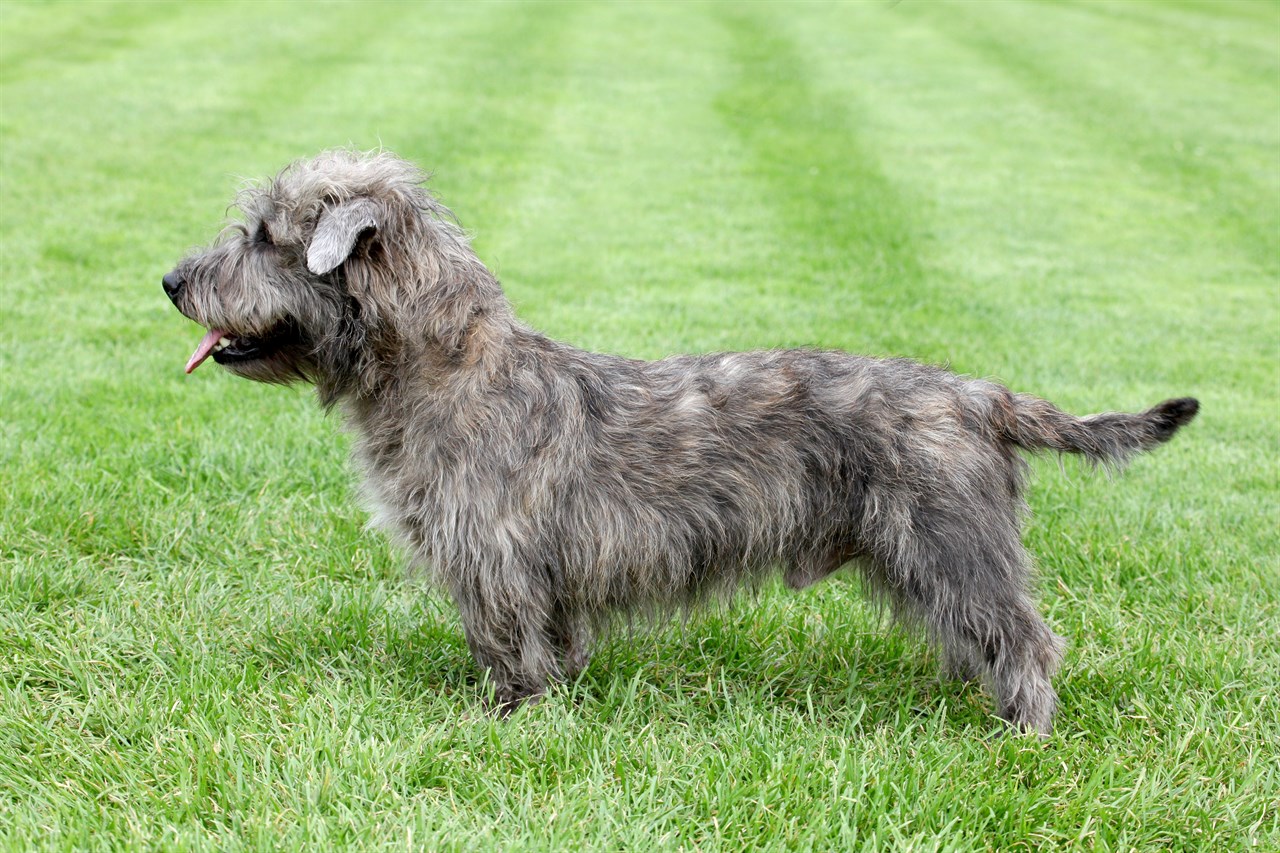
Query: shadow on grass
x=792, y=656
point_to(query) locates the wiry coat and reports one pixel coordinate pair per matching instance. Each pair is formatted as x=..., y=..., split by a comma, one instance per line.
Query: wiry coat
x=550, y=490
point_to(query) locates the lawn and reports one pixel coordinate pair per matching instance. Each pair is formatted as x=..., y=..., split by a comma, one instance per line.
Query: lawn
x=201, y=644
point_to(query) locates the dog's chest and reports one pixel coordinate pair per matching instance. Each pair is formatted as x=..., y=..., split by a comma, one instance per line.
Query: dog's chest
x=400, y=483
x=425, y=489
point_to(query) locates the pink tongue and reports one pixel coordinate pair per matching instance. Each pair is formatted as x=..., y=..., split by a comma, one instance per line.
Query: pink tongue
x=207, y=343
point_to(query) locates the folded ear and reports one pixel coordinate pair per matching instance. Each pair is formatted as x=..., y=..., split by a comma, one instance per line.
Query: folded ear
x=336, y=233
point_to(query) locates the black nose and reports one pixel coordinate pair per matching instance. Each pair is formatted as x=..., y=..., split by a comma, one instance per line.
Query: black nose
x=173, y=284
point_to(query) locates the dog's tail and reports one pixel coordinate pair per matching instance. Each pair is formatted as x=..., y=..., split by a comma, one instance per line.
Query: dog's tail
x=1108, y=438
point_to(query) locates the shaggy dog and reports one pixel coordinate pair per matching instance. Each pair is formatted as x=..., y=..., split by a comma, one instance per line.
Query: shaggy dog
x=552, y=491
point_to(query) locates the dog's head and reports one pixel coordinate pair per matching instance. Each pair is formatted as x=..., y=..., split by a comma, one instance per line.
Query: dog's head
x=328, y=254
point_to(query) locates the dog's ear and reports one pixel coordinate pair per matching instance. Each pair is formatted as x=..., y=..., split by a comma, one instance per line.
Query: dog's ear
x=337, y=231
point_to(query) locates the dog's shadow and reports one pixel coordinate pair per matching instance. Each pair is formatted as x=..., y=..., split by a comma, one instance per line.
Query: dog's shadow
x=821, y=654
x=864, y=677
x=790, y=656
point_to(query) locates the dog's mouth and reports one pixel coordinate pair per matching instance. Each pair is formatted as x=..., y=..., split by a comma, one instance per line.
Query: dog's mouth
x=229, y=348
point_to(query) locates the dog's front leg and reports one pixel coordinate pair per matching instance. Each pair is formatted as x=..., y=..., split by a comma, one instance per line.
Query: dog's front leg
x=572, y=637
x=505, y=620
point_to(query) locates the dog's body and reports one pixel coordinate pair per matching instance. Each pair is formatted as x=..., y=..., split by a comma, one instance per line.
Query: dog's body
x=551, y=490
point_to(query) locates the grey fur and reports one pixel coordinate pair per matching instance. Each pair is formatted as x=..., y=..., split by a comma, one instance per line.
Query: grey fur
x=552, y=491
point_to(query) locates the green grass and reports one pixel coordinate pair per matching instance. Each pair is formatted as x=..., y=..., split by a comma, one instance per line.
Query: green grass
x=202, y=646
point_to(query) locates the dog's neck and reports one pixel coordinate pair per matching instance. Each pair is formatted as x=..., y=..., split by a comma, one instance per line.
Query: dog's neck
x=448, y=385
x=460, y=335
x=447, y=322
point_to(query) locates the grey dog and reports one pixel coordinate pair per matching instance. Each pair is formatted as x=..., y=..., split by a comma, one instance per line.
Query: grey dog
x=553, y=492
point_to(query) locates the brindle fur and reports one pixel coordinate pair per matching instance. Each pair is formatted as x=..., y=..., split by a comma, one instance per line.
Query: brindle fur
x=551, y=491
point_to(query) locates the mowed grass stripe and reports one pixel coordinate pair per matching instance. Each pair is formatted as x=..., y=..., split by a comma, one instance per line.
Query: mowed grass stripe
x=44, y=43
x=205, y=111
x=952, y=143
x=1154, y=194
x=1231, y=188
x=1239, y=30
x=849, y=240
x=1034, y=227
x=635, y=230
x=145, y=131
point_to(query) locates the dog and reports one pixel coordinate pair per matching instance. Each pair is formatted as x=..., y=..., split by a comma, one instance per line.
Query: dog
x=555, y=492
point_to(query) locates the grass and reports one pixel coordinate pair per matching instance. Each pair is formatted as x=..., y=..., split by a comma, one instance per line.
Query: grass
x=202, y=647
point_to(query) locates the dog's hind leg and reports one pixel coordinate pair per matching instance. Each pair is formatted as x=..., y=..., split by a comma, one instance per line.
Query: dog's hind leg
x=1014, y=648
x=968, y=584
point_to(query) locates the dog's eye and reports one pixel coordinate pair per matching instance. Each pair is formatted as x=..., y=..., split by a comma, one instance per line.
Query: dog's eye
x=264, y=234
